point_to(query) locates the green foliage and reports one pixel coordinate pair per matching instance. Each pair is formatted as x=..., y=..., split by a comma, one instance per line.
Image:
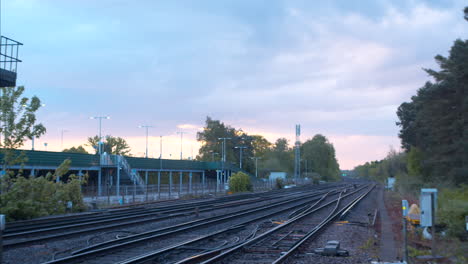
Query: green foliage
x=215, y=129
x=320, y=156
x=112, y=145
x=435, y=123
x=79, y=149
x=280, y=157
x=240, y=182
x=25, y=198
x=394, y=165
x=279, y=183
x=452, y=209
x=18, y=121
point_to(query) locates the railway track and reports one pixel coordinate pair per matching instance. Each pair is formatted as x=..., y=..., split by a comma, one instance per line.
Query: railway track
x=27, y=232
x=281, y=242
x=272, y=245
x=134, y=246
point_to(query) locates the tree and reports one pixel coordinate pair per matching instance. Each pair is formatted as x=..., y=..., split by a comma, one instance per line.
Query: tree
x=112, y=145
x=260, y=146
x=18, y=121
x=320, y=157
x=78, y=149
x=210, y=138
x=435, y=121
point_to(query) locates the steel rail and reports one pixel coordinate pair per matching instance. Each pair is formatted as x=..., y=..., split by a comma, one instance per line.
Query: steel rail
x=263, y=236
x=320, y=227
x=100, y=249
x=149, y=256
x=187, y=209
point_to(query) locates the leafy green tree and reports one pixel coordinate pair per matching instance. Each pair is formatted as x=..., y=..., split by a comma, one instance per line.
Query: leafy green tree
x=260, y=145
x=79, y=149
x=320, y=156
x=210, y=139
x=18, y=121
x=240, y=182
x=112, y=145
x=279, y=158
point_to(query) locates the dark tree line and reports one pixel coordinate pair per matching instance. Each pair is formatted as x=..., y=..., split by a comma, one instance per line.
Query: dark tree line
x=434, y=124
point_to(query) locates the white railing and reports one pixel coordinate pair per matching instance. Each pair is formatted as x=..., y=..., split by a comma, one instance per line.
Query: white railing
x=133, y=174
x=120, y=161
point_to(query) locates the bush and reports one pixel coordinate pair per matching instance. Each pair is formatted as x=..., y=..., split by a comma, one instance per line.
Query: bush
x=279, y=183
x=240, y=182
x=25, y=198
x=452, y=208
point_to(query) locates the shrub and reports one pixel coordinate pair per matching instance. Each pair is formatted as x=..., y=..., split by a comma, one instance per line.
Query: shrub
x=240, y=182
x=25, y=198
x=452, y=208
x=279, y=183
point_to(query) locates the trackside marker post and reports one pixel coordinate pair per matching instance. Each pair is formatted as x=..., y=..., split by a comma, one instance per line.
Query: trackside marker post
x=2, y=228
x=404, y=208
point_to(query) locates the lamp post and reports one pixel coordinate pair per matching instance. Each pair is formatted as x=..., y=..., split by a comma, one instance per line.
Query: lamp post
x=213, y=154
x=160, y=157
x=61, y=138
x=181, y=136
x=100, y=118
x=146, y=127
x=240, y=154
x=256, y=166
x=223, y=148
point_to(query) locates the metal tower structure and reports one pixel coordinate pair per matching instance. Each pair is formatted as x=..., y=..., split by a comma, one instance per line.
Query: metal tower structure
x=297, y=156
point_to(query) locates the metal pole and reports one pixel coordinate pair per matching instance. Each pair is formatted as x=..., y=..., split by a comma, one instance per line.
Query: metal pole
x=100, y=137
x=405, y=241
x=180, y=183
x=117, y=184
x=181, y=136
x=433, y=240
x=256, y=168
x=99, y=182
x=159, y=185
x=240, y=162
x=170, y=184
x=61, y=138
x=146, y=142
x=190, y=182
x=2, y=228
x=203, y=182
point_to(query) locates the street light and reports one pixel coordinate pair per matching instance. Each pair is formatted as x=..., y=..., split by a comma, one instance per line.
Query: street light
x=61, y=138
x=256, y=165
x=146, y=127
x=100, y=118
x=181, y=135
x=223, y=148
x=240, y=154
x=213, y=154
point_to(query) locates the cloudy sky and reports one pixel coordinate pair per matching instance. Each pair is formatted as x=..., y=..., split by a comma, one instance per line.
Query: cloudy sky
x=339, y=68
